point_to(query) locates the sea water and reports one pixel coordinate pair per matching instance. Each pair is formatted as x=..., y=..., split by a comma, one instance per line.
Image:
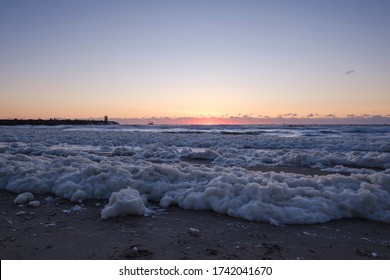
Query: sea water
x=212, y=167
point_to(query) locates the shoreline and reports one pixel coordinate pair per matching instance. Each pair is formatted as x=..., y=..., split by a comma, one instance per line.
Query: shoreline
x=54, y=122
x=59, y=230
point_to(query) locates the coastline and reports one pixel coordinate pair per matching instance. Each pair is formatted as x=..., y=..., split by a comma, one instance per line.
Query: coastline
x=107, y=160
x=54, y=122
x=57, y=230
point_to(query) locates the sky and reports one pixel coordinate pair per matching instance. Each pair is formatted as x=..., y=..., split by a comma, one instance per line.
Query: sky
x=197, y=61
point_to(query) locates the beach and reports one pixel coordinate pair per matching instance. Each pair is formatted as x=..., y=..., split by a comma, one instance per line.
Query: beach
x=195, y=192
x=195, y=130
x=57, y=230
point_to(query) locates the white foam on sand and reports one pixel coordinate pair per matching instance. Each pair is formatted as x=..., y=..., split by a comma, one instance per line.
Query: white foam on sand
x=34, y=203
x=23, y=198
x=206, y=154
x=125, y=202
x=132, y=169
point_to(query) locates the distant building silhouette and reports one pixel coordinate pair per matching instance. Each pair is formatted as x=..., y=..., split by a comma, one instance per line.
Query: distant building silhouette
x=106, y=119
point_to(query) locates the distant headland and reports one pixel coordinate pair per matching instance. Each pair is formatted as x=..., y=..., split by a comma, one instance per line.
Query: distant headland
x=54, y=122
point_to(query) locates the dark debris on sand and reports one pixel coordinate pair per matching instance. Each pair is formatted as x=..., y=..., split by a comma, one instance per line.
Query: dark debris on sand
x=53, y=231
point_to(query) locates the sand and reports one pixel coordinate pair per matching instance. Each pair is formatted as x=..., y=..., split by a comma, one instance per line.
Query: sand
x=51, y=231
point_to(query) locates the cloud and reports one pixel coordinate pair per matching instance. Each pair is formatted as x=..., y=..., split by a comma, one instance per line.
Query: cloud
x=288, y=115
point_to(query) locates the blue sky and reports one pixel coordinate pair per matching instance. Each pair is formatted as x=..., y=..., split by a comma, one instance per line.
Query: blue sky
x=194, y=59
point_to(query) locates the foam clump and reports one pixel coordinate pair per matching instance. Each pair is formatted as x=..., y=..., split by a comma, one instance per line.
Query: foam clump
x=23, y=198
x=75, y=209
x=34, y=203
x=125, y=202
x=121, y=151
x=207, y=155
x=78, y=196
x=49, y=199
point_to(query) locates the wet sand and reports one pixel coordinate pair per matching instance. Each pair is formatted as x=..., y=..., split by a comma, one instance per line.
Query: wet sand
x=51, y=231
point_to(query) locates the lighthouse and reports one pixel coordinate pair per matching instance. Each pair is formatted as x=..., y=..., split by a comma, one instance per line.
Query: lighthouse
x=106, y=119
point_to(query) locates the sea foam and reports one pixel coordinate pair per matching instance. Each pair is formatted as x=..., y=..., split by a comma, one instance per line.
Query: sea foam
x=135, y=169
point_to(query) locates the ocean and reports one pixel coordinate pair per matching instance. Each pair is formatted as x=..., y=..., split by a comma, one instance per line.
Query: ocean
x=251, y=172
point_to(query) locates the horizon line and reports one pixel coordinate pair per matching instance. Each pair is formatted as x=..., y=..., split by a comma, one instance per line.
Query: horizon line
x=286, y=119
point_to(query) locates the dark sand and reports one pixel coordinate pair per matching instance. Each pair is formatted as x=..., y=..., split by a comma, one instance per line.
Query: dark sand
x=46, y=232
